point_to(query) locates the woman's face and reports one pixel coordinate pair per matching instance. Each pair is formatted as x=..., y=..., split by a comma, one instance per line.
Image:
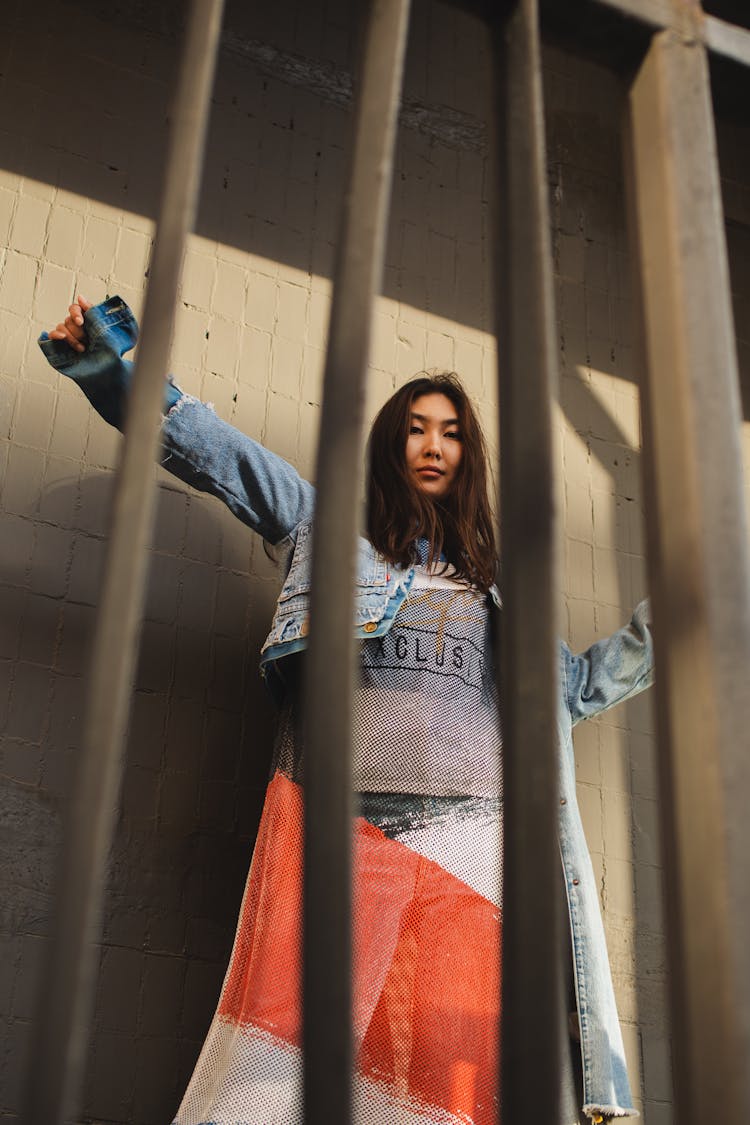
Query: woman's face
x=434, y=445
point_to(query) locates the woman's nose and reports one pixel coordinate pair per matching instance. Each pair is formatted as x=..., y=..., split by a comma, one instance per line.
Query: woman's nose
x=433, y=447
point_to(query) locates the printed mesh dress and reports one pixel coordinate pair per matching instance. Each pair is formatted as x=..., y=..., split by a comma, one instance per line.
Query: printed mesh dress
x=427, y=911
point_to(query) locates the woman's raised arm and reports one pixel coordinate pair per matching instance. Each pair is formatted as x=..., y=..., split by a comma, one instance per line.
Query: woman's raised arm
x=259, y=487
x=612, y=670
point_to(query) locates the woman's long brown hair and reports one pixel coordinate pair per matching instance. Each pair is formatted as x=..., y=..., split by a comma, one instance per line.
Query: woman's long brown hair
x=398, y=513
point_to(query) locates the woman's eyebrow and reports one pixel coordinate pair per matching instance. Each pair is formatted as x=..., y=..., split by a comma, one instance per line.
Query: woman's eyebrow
x=442, y=422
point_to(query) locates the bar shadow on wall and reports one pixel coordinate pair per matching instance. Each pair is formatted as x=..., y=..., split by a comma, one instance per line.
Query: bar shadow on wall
x=276, y=153
x=197, y=759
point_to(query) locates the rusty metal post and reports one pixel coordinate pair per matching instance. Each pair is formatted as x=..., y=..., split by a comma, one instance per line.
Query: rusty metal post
x=61, y=1031
x=700, y=576
x=329, y=676
x=528, y=387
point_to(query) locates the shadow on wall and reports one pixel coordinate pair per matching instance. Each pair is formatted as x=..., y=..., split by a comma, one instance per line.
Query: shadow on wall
x=276, y=152
x=642, y=889
x=196, y=765
x=631, y=888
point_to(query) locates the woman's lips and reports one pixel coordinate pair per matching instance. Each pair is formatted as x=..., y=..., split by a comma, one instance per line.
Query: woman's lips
x=430, y=472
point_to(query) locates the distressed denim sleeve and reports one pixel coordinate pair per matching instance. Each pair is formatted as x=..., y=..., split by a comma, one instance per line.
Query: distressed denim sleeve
x=260, y=488
x=100, y=371
x=611, y=670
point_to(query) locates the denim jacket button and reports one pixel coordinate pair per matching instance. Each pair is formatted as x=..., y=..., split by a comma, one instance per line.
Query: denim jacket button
x=370, y=626
x=576, y=882
x=304, y=628
x=563, y=801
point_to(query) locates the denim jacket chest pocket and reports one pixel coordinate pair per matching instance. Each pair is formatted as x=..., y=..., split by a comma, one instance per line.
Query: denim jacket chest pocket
x=372, y=569
x=372, y=588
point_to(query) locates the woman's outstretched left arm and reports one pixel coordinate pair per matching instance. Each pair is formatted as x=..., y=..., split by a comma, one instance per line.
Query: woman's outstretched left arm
x=612, y=670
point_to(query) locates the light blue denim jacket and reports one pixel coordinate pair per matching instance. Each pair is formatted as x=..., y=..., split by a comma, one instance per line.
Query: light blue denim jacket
x=268, y=495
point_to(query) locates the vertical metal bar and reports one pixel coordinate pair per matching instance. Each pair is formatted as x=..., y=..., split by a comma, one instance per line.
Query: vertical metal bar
x=61, y=1032
x=528, y=387
x=330, y=661
x=699, y=573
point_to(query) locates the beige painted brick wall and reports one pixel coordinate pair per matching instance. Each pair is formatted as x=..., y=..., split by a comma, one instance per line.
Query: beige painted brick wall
x=250, y=337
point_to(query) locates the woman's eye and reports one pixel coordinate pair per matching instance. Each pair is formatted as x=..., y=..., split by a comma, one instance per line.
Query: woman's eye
x=415, y=430
x=453, y=434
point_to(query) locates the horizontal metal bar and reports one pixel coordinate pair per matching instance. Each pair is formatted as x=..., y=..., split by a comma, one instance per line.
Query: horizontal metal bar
x=700, y=574
x=527, y=388
x=659, y=14
x=329, y=669
x=727, y=39
x=688, y=20
x=61, y=1031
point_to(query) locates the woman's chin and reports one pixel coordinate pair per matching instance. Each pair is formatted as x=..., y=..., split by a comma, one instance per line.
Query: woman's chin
x=435, y=487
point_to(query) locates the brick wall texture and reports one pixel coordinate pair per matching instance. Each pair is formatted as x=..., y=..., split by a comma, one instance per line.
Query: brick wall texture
x=85, y=95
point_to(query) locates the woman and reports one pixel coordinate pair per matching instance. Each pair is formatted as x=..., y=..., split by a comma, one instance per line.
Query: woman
x=427, y=768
